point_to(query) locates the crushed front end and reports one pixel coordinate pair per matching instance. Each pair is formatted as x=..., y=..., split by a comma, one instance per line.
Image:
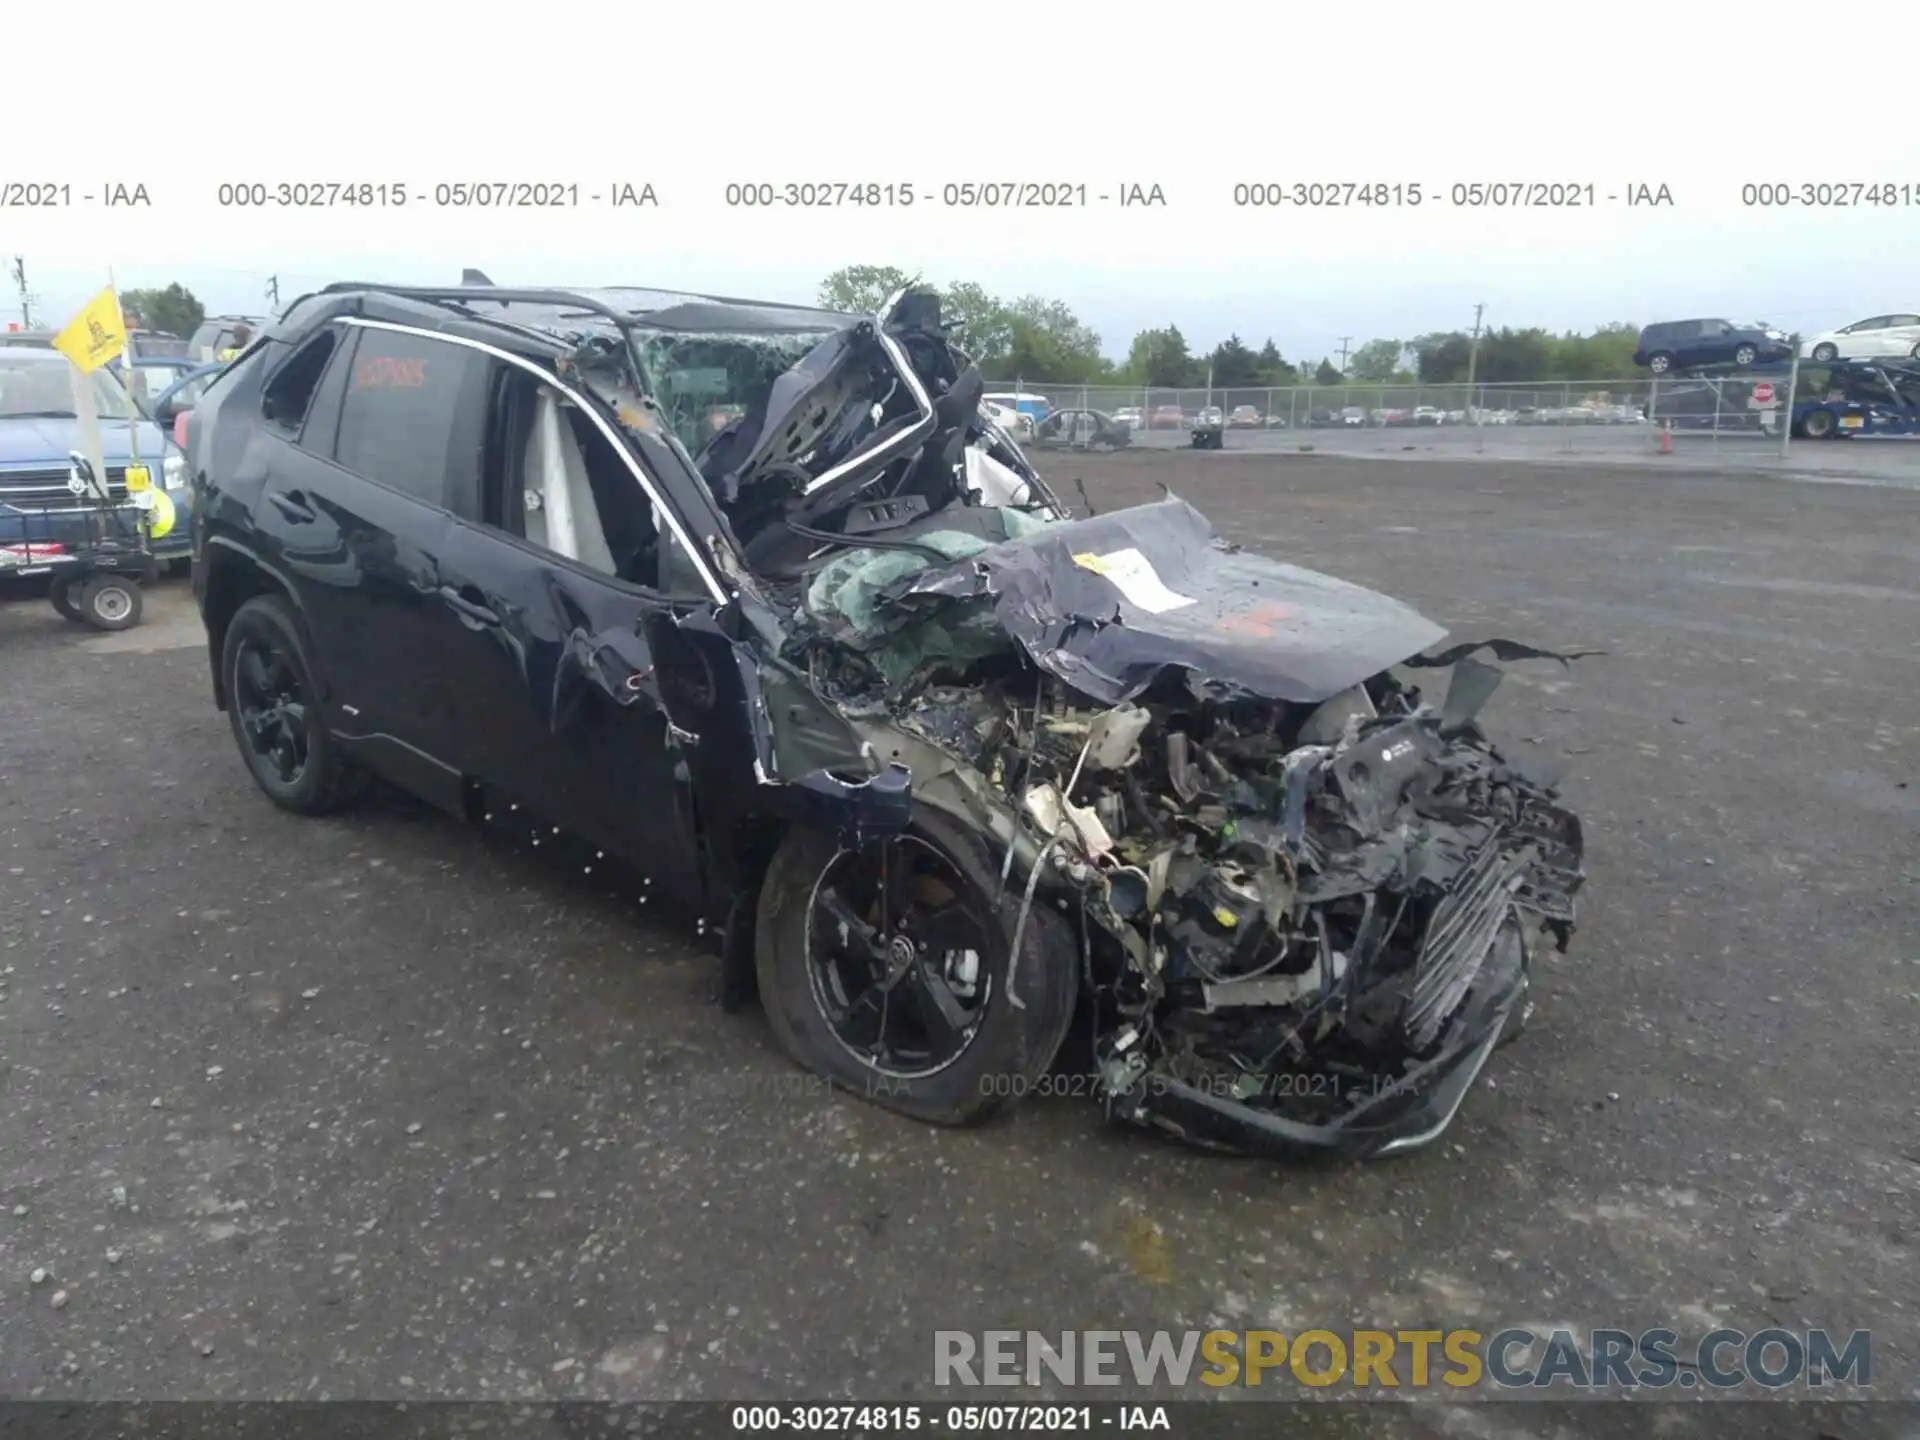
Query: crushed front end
x=1305, y=927
x=1307, y=903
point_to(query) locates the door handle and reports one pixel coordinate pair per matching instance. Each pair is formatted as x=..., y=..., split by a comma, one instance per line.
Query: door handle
x=469, y=604
x=293, y=505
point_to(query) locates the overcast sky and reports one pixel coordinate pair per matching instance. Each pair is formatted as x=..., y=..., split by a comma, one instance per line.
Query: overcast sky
x=1699, y=99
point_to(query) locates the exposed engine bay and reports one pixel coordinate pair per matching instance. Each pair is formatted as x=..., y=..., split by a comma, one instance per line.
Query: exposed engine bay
x=1305, y=924
x=1307, y=902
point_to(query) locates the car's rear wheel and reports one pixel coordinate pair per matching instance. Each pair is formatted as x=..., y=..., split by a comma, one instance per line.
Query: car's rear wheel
x=1744, y=356
x=887, y=971
x=110, y=602
x=1659, y=364
x=1824, y=353
x=273, y=704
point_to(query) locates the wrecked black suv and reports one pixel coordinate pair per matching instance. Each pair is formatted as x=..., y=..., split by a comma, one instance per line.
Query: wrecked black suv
x=754, y=597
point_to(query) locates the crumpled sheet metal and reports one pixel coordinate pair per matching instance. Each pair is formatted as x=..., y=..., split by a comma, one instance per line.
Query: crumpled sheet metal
x=1107, y=603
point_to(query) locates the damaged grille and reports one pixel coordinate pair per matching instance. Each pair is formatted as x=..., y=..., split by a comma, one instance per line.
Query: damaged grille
x=1459, y=937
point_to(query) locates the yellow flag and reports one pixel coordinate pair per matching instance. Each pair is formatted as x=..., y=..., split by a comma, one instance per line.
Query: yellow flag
x=96, y=334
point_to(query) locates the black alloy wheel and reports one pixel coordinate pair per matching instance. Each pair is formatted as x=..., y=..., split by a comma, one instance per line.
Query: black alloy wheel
x=272, y=705
x=896, y=957
x=273, y=702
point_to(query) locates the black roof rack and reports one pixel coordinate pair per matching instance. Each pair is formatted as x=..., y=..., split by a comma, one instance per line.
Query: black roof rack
x=621, y=306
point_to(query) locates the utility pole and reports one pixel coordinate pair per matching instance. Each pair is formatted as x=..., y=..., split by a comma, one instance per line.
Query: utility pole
x=1473, y=350
x=1345, y=341
x=19, y=272
x=273, y=293
x=1473, y=358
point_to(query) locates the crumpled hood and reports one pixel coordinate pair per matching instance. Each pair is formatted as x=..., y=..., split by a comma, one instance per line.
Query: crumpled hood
x=1107, y=603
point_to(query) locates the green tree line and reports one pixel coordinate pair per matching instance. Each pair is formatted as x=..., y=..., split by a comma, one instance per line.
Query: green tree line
x=1041, y=339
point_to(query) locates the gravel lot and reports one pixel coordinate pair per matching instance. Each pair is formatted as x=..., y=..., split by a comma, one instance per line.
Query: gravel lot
x=379, y=1107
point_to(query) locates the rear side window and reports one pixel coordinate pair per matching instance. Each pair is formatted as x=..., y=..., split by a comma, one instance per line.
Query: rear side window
x=410, y=403
x=289, y=391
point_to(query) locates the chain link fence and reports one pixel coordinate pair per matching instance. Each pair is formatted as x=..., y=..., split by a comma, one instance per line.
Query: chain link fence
x=1726, y=405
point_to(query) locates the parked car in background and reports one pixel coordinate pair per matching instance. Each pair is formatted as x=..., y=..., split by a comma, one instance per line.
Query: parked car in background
x=1007, y=418
x=1168, y=417
x=173, y=404
x=1210, y=415
x=1132, y=416
x=38, y=430
x=1244, y=417
x=1880, y=337
x=150, y=376
x=156, y=344
x=220, y=337
x=1023, y=402
x=1679, y=344
x=1353, y=415
x=1081, y=430
x=1428, y=415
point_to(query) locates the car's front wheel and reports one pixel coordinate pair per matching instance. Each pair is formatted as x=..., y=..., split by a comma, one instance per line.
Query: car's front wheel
x=273, y=704
x=889, y=971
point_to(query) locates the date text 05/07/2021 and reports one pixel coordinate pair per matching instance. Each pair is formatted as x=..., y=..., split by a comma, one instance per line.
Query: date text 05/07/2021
x=857, y=1419
x=322, y=194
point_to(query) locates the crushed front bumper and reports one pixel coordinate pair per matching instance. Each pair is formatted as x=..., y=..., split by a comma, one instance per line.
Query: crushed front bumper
x=1384, y=1118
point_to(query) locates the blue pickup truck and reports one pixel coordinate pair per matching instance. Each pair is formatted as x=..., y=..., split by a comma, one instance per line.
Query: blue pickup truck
x=38, y=428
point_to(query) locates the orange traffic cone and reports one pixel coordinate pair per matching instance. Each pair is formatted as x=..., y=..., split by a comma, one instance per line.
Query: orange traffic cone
x=1666, y=439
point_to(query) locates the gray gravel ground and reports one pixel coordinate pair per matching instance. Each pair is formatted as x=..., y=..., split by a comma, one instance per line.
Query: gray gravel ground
x=377, y=1107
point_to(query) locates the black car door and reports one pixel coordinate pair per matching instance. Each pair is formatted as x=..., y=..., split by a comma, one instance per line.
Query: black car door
x=356, y=510
x=551, y=574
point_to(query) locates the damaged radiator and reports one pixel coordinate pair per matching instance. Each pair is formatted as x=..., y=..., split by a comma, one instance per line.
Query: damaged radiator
x=1459, y=937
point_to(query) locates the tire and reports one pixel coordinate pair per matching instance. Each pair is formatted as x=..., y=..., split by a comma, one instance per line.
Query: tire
x=60, y=593
x=1659, y=364
x=323, y=779
x=1827, y=352
x=1744, y=356
x=110, y=602
x=1914, y=354
x=1818, y=425
x=1010, y=1047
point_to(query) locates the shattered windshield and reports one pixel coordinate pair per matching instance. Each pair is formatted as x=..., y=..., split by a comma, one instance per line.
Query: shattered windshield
x=704, y=381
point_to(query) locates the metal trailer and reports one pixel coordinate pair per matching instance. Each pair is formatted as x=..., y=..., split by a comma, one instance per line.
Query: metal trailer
x=1860, y=397
x=95, y=552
